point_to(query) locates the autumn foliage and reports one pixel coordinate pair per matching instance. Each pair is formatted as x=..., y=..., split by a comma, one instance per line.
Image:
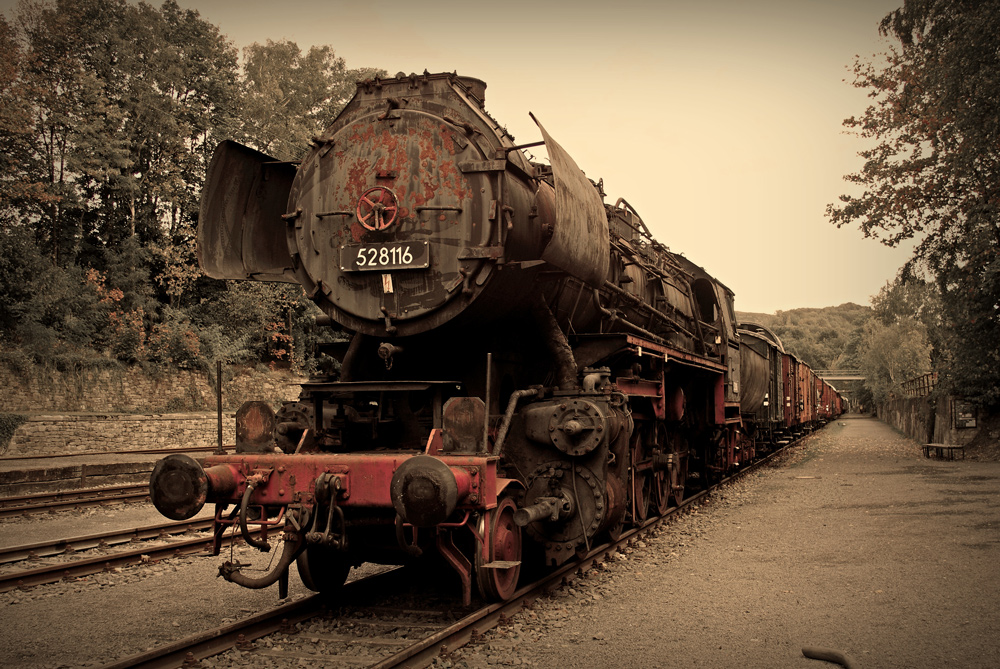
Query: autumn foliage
x=932, y=173
x=109, y=113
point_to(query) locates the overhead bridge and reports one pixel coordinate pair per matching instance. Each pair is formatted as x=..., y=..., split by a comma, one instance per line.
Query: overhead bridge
x=840, y=374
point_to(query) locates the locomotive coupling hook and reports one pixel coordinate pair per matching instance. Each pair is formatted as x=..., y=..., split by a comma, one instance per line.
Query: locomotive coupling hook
x=294, y=545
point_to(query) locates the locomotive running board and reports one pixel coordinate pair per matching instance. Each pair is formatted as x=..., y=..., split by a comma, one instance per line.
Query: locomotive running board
x=588, y=349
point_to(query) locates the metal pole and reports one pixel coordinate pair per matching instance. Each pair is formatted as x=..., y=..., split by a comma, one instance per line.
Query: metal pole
x=486, y=399
x=218, y=397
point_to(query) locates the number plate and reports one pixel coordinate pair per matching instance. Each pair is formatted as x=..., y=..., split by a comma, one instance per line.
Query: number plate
x=381, y=257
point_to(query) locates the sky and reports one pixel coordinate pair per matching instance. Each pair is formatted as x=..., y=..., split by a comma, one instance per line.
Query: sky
x=720, y=122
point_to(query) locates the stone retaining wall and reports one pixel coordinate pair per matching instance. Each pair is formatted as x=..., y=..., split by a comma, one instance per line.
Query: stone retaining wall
x=134, y=390
x=926, y=421
x=52, y=434
x=129, y=409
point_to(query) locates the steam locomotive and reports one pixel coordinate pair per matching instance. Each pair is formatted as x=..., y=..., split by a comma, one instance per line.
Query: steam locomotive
x=527, y=370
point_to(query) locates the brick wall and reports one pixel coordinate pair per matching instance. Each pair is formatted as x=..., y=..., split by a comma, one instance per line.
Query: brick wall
x=132, y=390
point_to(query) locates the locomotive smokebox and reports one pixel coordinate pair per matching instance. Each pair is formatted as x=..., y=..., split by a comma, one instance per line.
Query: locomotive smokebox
x=425, y=491
x=179, y=486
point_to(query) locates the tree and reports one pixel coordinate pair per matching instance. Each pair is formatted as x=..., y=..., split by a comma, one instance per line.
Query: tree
x=290, y=97
x=110, y=112
x=933, y=173
x=901, y=337
x=15, y=128
x=820, y=337
x=891, y=355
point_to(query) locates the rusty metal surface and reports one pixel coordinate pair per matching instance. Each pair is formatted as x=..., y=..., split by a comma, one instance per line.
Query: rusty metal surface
x=255, y=424
x=399, y=212
x=365, y=478
x=580, y=244
x=754, y=379
x=241, y=234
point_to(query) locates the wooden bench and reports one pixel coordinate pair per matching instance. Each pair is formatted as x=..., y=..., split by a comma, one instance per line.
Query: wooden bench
x=943, y=451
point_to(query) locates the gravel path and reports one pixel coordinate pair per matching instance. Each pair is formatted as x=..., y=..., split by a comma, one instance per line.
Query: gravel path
x=854, y=543
x=857, y=543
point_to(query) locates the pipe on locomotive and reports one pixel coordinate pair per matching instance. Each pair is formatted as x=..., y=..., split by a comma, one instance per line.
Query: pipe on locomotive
x=508, y=416
x=557, y=344
x=252, y=483
x=294, y=545
x=612, y=316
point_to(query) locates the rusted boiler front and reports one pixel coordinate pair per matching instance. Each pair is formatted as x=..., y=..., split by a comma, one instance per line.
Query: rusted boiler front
x=400, y=216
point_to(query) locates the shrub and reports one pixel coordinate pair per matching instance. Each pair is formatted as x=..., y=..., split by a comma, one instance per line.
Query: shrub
x=9, y=422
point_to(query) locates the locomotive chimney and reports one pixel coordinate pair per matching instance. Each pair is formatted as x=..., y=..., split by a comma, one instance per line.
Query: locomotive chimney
x=476, y=86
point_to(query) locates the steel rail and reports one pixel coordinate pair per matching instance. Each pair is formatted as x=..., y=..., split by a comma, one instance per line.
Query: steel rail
x=44, y=549
x=30, y=578
x=220, y=639
x=41, y=502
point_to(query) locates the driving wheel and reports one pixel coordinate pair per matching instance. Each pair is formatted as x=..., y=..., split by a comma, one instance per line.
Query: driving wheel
x=498, y=570
x=641, y=476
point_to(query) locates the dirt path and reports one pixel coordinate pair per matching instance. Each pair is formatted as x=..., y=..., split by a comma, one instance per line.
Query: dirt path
x=857, y=543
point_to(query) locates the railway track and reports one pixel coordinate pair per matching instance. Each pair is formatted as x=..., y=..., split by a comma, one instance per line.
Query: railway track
x=142, y=451
x=380, y=621
x=46, y=502
x=55, y=501
x=74, y=545
x=82, y=562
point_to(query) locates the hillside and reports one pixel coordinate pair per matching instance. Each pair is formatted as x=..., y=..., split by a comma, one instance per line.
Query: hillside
x=824, y=338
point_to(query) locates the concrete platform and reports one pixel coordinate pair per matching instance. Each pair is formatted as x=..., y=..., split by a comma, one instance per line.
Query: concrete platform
x=25, y=476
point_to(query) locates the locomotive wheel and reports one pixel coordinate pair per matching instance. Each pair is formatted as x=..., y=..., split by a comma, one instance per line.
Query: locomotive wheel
x=677, y=476
x=323, y=569
x=498, y=583
x=660, y=501
x=641, y=481
x=615, y=531
x=664, y=479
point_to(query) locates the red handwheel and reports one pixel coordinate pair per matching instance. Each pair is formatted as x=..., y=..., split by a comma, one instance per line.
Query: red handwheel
x=377, y=208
